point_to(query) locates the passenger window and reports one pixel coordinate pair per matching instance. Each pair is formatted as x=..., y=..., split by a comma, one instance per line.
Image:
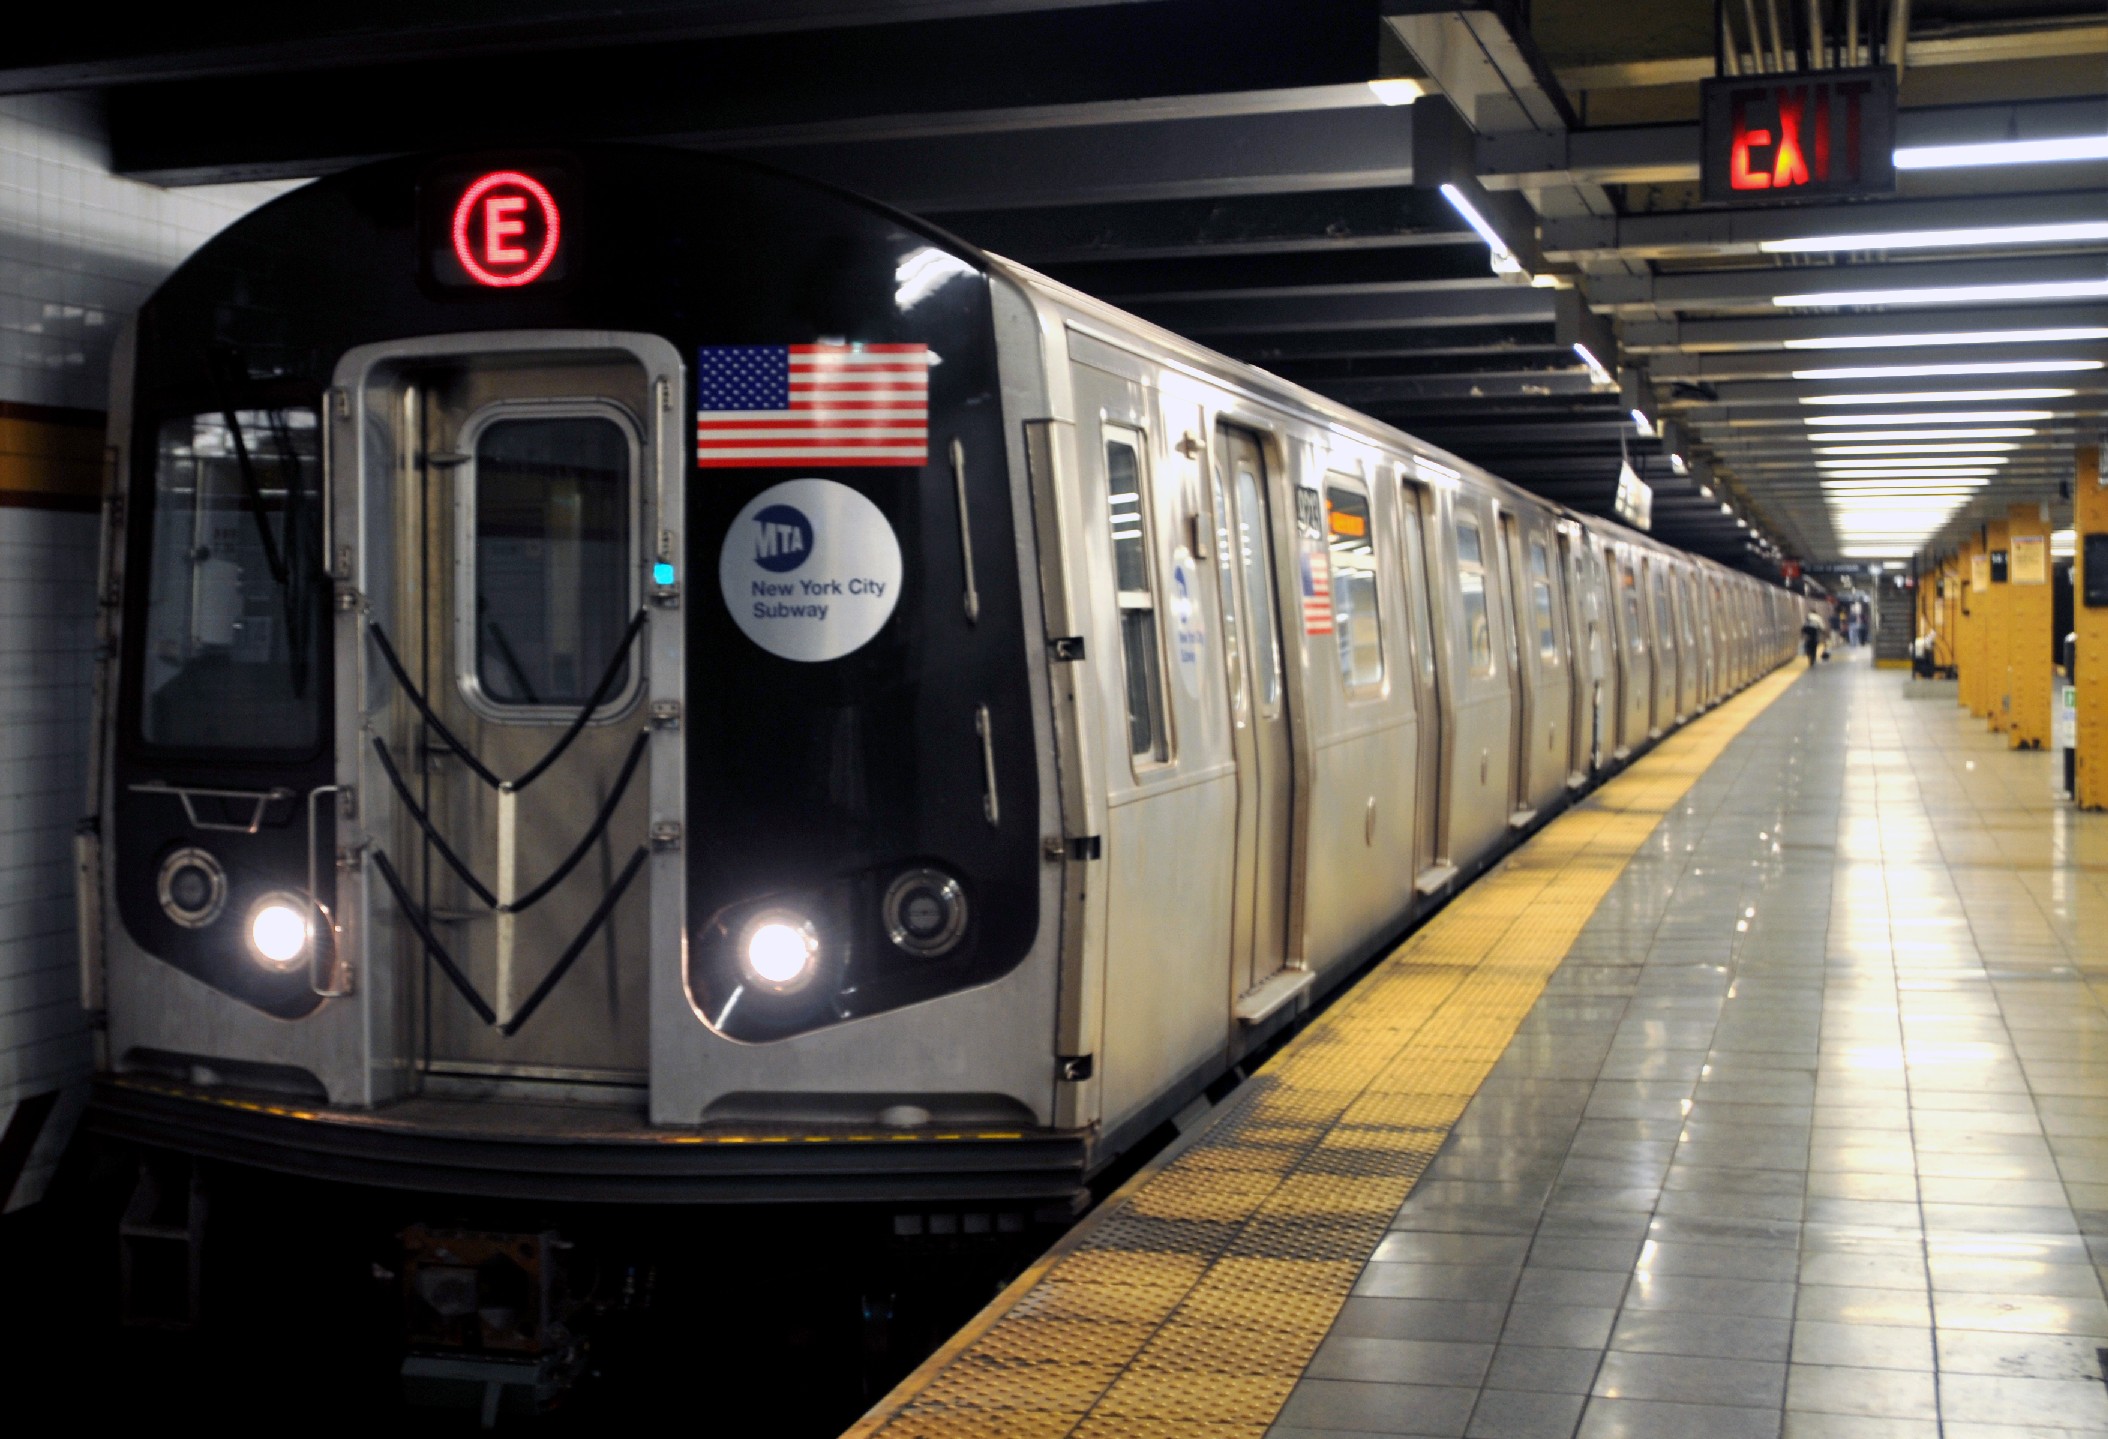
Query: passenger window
x=1635, y=633
x=1663, y=634
x=1541, y=599
x=1128, y=508
x=552, y=557
x=1354, y=614
x=1471, y=577
x=237, y=621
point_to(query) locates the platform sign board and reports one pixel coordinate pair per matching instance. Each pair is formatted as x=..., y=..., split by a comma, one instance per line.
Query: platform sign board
x=1805, y=135
x=2064, y=717
x=2030, y=561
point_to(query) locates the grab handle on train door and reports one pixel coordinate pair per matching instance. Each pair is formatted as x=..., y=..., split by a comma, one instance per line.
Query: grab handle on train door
x=989, y=806
x=337, y=984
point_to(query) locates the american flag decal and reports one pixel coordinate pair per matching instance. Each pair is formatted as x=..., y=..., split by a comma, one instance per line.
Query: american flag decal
x=778, y=405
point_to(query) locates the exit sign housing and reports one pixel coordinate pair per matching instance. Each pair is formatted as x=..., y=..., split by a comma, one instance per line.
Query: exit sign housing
x=1806, y=135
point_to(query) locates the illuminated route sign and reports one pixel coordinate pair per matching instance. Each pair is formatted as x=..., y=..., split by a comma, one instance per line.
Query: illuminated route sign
x=498, y=228
x=1805, y=135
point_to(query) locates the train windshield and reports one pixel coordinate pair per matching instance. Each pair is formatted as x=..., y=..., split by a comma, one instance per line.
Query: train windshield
x=233, y=656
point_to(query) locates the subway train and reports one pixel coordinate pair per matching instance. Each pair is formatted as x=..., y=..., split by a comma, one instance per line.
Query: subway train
x=629, y=676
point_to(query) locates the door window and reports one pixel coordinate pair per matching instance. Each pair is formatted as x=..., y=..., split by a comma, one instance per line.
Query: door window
x=1541, y=599
x=1127, y=506
x=1471, y=577
x=1255, y=556
x=554, y=578
x=1355, y=621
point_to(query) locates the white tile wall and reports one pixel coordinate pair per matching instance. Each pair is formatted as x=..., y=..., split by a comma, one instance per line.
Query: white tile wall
x=79, y=250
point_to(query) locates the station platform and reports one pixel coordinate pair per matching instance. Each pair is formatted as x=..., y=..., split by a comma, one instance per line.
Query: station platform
x=1764, y=1093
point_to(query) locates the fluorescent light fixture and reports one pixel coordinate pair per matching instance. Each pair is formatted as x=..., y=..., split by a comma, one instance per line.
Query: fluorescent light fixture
x=1993, y=432
x=1705, y=492
x=1941, y=239
x=1977, y=463
x=1679, y=465
x=1919, y=372
x=1936, y=417
x=1504, y=261
x=1953, y=337
x=1949, y=294
x=1970, y=449
x=1934, y=397
x=2003, y=152
x=1597, y=373
x=1644, y=425
x=1398, y=90
x=1878, y=552
x=2063, y=544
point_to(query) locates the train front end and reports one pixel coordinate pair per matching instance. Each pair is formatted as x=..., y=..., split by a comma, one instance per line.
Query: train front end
x=571, y=720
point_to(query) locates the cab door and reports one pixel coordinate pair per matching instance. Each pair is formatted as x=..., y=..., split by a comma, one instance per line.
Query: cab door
x=513, y=751
x=1260, y=718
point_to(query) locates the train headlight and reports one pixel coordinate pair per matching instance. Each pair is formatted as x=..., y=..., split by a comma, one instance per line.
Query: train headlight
x=925, y=912
x=281, y=929
x=192, y=888
x=779, y=950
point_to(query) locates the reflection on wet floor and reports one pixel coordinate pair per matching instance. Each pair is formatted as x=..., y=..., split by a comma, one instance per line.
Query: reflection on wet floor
x=1808, y=1136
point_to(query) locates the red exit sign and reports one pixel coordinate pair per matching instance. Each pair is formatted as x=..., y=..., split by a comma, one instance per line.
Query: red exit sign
x=1810, y=134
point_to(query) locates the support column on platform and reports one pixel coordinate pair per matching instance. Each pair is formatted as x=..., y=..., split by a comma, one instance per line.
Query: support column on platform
x=2090, y=507
x=1969, y=649
x=1946, y=650
x=2028, y=619
x=1996, y=611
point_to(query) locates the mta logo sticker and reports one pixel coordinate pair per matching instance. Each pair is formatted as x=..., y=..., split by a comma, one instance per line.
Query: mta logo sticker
x=783, y=539
x=810, y=570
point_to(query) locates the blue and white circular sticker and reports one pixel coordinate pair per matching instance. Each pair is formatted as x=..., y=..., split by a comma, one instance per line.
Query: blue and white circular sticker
x=810, y=570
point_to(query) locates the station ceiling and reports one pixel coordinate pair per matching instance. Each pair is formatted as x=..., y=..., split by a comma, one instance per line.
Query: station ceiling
x=1227, y=168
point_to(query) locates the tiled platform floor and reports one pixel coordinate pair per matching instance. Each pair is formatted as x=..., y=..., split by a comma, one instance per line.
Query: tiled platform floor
x=1808, y=1135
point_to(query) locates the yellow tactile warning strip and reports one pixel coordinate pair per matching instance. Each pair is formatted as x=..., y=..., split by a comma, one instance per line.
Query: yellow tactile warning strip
x=1193, y=1299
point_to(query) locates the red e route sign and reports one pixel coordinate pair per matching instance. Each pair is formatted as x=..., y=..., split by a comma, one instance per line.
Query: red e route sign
x=1805, y=135
x=506, y=229
x=500, y=227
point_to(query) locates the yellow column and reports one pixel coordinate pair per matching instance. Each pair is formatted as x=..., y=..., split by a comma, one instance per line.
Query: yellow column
x=1953, y=575
x=2090, y=507
x=1969, y=650
x=2028, y=620
x=1997, y=616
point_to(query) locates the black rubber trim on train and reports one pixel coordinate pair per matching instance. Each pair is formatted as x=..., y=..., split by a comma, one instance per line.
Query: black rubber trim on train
x=571, y=732
x=562, y=871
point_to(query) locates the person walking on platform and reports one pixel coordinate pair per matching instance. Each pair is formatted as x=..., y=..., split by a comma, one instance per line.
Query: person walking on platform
x=1811, y=636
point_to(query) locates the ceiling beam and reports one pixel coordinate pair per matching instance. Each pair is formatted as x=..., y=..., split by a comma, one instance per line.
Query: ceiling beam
x=1703, y=336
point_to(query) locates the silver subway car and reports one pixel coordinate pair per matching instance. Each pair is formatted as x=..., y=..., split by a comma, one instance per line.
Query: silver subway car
x=630, y=676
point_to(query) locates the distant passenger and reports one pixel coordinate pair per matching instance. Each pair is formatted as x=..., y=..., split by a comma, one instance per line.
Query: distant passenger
x=1811, y=636
x=1921, y=663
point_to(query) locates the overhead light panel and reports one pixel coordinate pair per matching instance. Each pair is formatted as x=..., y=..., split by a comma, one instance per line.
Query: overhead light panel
x=1935, y=417
x=1970, y=449
x=1504, y=261
x=1934, y=397
x=2003, y=152
x=1398, y=90
x=1597, y=373
x=1920, y=372
x=2066, y=232
x=1949, y=294
x=2054, y=335
x=1991, y=432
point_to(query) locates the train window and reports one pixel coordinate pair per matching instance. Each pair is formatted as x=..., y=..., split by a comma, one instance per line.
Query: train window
x=1255, y=554
x=1127, y=505
x=1471, y=578
x=1541, y=599
x=552, y=557
x=1635, y=633
x=237, y=616
x=1355, y=620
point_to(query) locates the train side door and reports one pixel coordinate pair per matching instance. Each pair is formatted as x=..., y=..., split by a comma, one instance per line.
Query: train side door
x=1416, y=509
x=1583, y=611
x=1264, y=758
x=1523, y=673
x=512, y=529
